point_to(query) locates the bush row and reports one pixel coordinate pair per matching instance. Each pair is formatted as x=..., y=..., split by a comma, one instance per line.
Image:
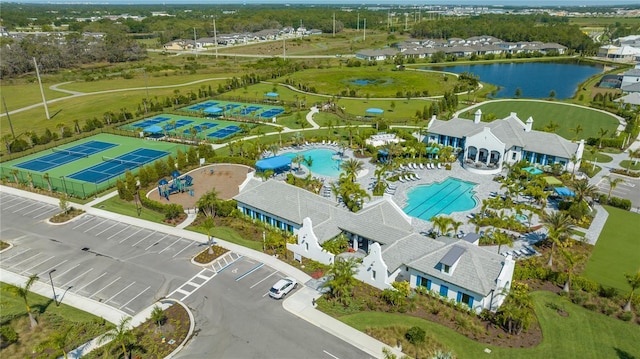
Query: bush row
x=170, y=211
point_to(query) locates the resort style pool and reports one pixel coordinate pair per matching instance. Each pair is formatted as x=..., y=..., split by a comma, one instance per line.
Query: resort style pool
x=323, y=162
x=451, y=195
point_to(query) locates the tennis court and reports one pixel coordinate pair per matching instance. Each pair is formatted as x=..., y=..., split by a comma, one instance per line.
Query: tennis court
x=224, y=132
x=61, y=156
x=201, y=127
x=150, y=122
x=114, y=167
x=250, y=109
x=272, y=112
x=178, y=124
x=202, y=106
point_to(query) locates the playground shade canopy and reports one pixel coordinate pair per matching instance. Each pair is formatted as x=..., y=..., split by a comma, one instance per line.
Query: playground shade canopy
x=273, y=163
x=532, y=170
x=271, y=94
x=552, y=181
x=375, y=111
x=153, y=129
x=213, y=110
x=564, y=191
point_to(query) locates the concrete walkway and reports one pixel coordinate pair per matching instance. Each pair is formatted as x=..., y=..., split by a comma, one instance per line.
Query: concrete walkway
x=299, y=304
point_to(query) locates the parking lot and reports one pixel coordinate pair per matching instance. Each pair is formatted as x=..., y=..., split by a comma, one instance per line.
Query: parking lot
x=123, y=266
x=627, y=188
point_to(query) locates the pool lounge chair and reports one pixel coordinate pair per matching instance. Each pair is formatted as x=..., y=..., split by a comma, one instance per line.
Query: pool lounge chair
x=421, y=166
x=408, y=178
x=400, y=179
x=439, y=166
x=416, y=176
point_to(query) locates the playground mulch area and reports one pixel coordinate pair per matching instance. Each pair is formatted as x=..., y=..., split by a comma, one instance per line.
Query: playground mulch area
x=225, y=178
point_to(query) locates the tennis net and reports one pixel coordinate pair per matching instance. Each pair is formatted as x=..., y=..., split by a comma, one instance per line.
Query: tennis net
x=128, y=164
x=67, y=152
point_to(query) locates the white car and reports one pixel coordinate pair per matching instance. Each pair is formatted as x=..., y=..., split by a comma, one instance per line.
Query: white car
x=282, y=287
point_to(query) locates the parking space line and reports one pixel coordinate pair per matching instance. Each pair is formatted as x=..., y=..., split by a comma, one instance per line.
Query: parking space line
x=47, y=270
x=81, y=274
x=32, y=204
x=84, y=286
x=160, y=240
x=24, y=214
x=89, y=219
x=53, y=209
x=249, y=271
x=134, y=298
x=68, y=270
x=115, y=295
x=149, y=235
x=19, y=202
x=37, y=264
x=263, y=279
x=101, y=222
x=131, y=235
x=182, y=292
x=329, y=354
x=12, y=199
x=183, y=249
x=15, y=255
x=105, y=287
x=118, y=232
x=17, y=264
x=179, y=239
x=108, y=228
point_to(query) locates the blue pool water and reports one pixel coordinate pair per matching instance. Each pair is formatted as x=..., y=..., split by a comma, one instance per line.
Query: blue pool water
x=451, y=195
x=323, y=163
x=522, y=217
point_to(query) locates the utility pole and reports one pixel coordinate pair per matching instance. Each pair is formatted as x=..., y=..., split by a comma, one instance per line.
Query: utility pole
x=215, y=36
x=334, y=24
x=8, y=118
x=44, y=100
x=195, y=44
x=364, y=34
x=358, y=25
x=284, y=48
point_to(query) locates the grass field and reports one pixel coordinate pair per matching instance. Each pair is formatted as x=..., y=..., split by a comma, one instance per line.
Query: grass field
x=543, y=112
x=80, y=188
x=616, y=251
x=383, y=81
x=634, y=167
x=582, y=334
x=117, y=205
x=21, y=95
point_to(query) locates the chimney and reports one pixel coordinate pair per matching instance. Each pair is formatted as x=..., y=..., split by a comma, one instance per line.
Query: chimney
x=478, y=116
x=528, y=125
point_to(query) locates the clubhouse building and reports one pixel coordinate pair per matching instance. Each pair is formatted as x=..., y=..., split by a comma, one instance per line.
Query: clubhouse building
x=488, y=145
x=382, y=236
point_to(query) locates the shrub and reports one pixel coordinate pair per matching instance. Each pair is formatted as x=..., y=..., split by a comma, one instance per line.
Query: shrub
x=626, y=316
x=172, y=210
x=608, y=292
x=8, y=335
x=620, y=203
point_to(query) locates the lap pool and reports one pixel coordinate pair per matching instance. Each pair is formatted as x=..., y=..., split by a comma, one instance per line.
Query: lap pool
x=323, y=162
x=451, y=195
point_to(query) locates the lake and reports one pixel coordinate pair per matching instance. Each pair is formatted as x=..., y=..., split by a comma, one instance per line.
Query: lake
x=535, y=79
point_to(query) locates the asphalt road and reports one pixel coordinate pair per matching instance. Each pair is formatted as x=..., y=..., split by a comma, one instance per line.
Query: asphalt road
x=129, y=268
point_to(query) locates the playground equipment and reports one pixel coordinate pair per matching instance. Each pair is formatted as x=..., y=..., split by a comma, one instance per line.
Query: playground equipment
x=178, y=184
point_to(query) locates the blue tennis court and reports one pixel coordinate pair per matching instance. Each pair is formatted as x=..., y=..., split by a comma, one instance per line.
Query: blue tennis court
x=248, y=110
x=224, y=132
x=151, y=122
x=203, y=105
x=230, y=106
x=272, y=112
x=201, y=127
x=179, y=123
x=114, y=167
x=61, y=156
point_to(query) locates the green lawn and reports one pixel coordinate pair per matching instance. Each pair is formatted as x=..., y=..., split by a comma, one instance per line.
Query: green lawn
x=582, y=334
x=634, y=167
x=599, y=156
x=21, y=95
x=616, y=251
x=116, y=205
x=229, y=235
x=543, y=112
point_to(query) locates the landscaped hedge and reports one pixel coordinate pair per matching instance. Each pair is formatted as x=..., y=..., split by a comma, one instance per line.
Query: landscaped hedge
x=621, y=203
x=236, y=160
x=171, y=210
x=625, y=172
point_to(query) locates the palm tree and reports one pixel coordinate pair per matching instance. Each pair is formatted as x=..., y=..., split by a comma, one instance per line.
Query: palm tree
x=634, y=283
x=23, y=293
x=572, y=259
x=351, y=168
x=279, y=130
x=58, y=340
x=207, y=203
x=576, y=130
x=47, y=178
x=613, y=183
x=208, y=224
x=558, y=225
x=342, y=281
x=440, y=223
x=501, y=238
x=583, y=189
x=158, y=316
x=574, y=162
x=633, y=155
x=601, y=133
x=121, y=335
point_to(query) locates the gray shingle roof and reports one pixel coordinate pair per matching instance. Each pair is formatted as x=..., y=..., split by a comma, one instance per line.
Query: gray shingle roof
x=477, y=269
x=452, y=255
x=408, y=249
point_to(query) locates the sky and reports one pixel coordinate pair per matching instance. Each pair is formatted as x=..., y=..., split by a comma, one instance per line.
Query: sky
x=525, y=3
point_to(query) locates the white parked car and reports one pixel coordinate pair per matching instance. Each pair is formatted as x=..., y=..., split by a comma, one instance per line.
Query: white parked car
x=282, y=287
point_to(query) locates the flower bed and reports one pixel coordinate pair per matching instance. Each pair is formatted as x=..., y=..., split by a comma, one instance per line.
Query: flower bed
x=205, y=257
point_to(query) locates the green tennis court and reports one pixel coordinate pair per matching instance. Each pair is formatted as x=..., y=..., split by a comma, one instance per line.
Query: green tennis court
x=86, y=166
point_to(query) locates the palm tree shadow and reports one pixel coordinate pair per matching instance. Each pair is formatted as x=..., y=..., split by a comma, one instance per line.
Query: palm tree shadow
x=41, y=308
x=624, y=354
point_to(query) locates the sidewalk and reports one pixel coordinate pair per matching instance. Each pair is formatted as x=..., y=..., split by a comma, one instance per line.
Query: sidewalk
x=299, y=304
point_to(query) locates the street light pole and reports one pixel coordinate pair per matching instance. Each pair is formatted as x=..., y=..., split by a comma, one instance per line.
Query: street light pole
x=55, y=297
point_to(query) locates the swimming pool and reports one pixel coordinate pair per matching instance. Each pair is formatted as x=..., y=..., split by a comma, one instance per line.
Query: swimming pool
x=451, y=195
x=323, y=162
